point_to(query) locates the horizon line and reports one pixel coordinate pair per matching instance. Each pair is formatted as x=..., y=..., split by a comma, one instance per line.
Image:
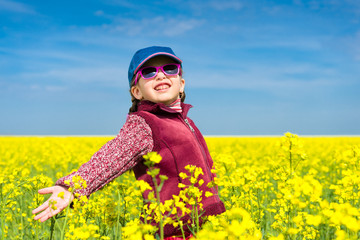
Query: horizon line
x=209, y=136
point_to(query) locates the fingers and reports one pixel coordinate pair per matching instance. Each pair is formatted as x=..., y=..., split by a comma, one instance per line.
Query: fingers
x=46, y=190
x=42, y=207
x=49, y=214
x=45, y=215
x=45, y=204
x=45, y=210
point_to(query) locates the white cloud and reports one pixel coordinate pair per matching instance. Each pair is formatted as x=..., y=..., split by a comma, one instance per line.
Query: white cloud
x=293, y=42
x=225, y=5
x=123, y=3
x=99, y=13
x=47, y=88
x=157, y=26
x=281, y=79
x=105, y=75
x=199, y=7
x=45, y=54
x=12, y=6
x=55, y=88
x=350, y=5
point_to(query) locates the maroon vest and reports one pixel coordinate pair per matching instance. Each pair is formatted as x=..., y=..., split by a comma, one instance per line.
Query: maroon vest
x=180, y=143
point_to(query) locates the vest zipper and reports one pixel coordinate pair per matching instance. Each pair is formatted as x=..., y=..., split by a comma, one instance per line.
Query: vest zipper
x=201, y=148
x=187, y=122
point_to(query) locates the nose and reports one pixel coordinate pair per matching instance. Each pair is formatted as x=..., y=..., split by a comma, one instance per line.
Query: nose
x=160, y=75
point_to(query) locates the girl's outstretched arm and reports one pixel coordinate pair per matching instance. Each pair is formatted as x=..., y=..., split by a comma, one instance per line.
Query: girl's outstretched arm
x=114, y=158
x=55, y=204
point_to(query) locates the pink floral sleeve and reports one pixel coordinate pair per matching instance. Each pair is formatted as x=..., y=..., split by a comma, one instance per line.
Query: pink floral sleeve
x=115, y=157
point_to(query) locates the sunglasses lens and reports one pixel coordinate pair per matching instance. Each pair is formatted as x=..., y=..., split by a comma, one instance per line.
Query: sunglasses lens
x=171, y=69
x=148, y=72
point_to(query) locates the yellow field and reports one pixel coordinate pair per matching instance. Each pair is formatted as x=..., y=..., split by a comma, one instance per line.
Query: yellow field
x=273, y=188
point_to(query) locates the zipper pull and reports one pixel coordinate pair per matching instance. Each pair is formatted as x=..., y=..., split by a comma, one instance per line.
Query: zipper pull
x=187, y=122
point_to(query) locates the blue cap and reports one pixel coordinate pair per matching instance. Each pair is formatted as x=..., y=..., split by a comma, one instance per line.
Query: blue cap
x=142, y=55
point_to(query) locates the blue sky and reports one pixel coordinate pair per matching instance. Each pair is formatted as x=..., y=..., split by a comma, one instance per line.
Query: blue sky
x=251, y=67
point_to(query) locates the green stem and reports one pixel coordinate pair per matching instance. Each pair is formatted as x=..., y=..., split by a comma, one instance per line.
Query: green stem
x=21, y=217
x=118, y=217
x=197, y=217
x=66, y=217
x=258, y=202
x=2, y=214
x=64, y=225
x=181, y=227
x=158, y=205
x=52, y=226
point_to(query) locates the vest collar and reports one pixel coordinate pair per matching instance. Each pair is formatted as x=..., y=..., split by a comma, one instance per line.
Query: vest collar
x=149, y=106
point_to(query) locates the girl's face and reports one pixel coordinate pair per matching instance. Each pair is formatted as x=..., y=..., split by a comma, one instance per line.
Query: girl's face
x=161, y=88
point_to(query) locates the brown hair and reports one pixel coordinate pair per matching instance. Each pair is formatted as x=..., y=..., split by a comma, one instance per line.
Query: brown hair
x=135, y=101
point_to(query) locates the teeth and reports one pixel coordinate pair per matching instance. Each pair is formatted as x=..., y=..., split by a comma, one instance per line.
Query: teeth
x=161, y=87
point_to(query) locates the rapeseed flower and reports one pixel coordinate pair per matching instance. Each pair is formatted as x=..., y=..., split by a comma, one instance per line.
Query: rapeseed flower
x=317, y=196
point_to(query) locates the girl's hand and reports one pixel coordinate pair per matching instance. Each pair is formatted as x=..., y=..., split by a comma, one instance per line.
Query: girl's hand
x=57, y=202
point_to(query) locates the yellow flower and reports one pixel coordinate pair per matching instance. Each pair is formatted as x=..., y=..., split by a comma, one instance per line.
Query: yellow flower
x=61, y=195
x=143, y=185
x=181, y=185
x=351, y=223
x=340, y=234
x=293, y=231
x=190, y=168
x=279, y=237
x=198, y=171
x=52, y=204
x=201, y=182
x=313, y=220
x=149, y=237
x=208, y=194
x=152, y=158
x=183, y=175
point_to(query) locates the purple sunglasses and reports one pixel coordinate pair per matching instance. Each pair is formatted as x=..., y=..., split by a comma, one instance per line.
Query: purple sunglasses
x=170, y=69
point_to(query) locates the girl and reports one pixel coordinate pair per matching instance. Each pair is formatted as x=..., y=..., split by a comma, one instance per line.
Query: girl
x=157, y=121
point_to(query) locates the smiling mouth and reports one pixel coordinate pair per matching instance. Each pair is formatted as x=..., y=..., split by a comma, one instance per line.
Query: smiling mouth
x=162, y=87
